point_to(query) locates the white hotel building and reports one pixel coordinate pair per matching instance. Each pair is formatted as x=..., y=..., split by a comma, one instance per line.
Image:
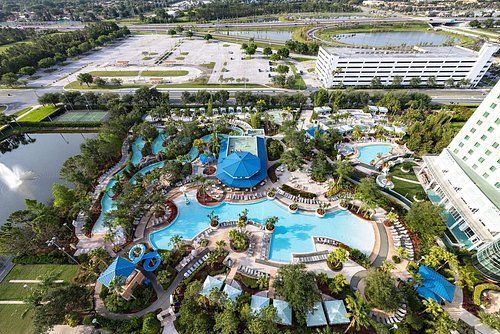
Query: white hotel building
x=465, y=180
x=357, y=67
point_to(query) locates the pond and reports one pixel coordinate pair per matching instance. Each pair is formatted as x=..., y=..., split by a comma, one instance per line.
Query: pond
x=272, y=35
x=394, y=38
x=30, y=169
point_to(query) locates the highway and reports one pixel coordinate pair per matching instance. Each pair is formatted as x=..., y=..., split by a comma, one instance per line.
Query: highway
x=16, y=99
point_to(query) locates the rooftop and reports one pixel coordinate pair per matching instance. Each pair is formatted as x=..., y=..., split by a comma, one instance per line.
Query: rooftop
x=336, y=312
x=242, y=144
x=316, y=317
x=416, y=51
x=119, y=268
x=210, y=284
x=434, y=286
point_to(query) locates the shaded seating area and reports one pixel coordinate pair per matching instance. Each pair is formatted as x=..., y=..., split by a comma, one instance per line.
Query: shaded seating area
x=258, y=303
x=316, y=317
x=434, y=286
x=210, y=284
x=336, y=312
x=232, y=292
x=283, y=312
x=122, y=270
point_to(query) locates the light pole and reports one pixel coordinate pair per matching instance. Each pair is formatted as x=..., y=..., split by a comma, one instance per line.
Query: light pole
x=52, y=242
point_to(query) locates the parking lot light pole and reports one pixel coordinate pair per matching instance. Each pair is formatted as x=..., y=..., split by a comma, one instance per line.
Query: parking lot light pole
x=52, y=242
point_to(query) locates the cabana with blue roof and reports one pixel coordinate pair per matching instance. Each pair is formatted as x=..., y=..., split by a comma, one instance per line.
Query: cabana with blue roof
x=283, y=311
x=258, y=303
x=316, y=316
x=231, y=292
x=119, y=268
x=312, y=130
x=242, y=161
x=210, y=284
x=336, y=312
x=207, y=158
x=434, y=286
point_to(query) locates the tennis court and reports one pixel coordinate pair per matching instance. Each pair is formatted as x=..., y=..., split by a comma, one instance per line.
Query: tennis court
x=82, y=116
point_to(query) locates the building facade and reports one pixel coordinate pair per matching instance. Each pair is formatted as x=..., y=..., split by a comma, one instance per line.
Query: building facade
x=465, y=180
x=358, y=67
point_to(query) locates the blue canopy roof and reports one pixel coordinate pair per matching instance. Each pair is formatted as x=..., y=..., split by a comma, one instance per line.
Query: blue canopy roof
x=204, y=158
x=120, y=267
x=434, y=286
x=210, y=284
x=283, y=311
x=336, y=312
x=316, y=317
x=240, y=165
x=242, y=169
x=312, y=130
x=231, y=292
x=258, y=303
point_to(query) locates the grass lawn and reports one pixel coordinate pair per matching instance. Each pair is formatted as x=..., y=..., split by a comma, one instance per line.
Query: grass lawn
x=77, y=85
x=210, y=66
x=172, y=73
x=197, y=85
x=115, y=73
x=396, y=171
x=407, y=189
x=13, y=322
x=16, y=291
x=38, y=114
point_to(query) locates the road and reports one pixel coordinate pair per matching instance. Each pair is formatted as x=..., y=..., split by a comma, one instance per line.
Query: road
x=17, y=99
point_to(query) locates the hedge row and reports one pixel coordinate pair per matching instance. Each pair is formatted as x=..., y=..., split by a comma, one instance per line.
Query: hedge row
x=478, y=291
x=297, y=192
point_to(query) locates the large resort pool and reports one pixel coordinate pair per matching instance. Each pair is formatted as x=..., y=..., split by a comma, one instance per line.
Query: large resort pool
x=293, y=233
x=368, y=153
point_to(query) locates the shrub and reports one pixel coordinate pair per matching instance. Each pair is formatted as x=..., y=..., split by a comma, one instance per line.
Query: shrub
x=396, y=259
x=479, y=289
x=381, y=291
x=150, y=325
x=297, y=192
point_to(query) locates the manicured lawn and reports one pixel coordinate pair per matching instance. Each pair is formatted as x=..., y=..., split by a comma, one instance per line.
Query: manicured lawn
x=17, y=291
x=173, y=73
x=396, y=171
x=13, y=322
x=77, y=85
x=194, y=85
x=37, y=115
x=115, y=73
x=407, y=189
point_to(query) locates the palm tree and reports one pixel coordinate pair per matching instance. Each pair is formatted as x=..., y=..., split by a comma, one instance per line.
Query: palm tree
x=203, y=183
x=358, y=311
x=116, y=284
x=175, y=241
x=262, y=282
x=387, y=266
x=343, y=171
x=214, y=144
x=220, y=245
x=402, y=253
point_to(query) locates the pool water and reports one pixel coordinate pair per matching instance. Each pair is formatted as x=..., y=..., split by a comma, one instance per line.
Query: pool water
x=137, y=146
x=293, y=232
x=368, y=153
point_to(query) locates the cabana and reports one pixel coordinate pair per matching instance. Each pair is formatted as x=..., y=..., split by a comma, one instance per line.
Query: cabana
x=210, y=284
x=312, y=131
x=434, y=286
x=124, y=271
x=336, y=312
x=231, y=292
x=258, y=303
x=283, y=311
x=316, y=317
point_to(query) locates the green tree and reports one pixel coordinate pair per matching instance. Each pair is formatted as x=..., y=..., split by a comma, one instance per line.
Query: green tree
x=343, y=170
x=207, y=37
x=337, y=257
x=85, y=78
x=283, y=69
x=415, y=82
x=425, y=219
x=358, y=311
x=283, y=52
x=267, y=51
x=367, y=192
x=397, y=80
x=298, y=287
x=440, y=321
x=292, y=158
x=381, y=291
x=226, y=322
x=376, y=82
x=337, y=284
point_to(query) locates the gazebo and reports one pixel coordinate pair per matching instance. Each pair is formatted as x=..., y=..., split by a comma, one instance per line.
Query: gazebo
x=434, y=286
x=316, y=316
x=210, y=284
x=283, y=311
x=231, y=292
x=258, y=303
x=336, y=312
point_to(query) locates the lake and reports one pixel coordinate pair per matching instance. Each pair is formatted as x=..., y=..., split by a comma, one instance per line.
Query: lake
x=392, y=38
x=272, y=35
x=38, y=159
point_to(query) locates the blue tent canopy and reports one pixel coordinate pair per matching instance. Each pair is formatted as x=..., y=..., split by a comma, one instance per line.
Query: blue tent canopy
x=336, y=312
x=312, y=130
x=120, y=267
x=232, y=292
x=206, y=158
x=434, y=286
x=316, y=317
x=242, y=169
x=258, y=303
x=283, y=311
x=210, y=284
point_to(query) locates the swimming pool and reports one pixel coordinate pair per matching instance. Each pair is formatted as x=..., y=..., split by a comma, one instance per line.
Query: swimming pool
x=293, y=232
x=367, y=153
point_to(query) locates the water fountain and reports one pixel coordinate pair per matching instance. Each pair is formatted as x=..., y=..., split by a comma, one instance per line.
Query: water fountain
x=13, y=177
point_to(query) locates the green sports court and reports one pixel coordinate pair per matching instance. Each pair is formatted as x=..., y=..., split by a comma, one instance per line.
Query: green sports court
x=82, y=116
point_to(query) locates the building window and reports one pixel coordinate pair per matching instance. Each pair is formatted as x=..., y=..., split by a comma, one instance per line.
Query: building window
x=461, y=144
x=474, y=166
x=479, y=122
x=486, y=114
x=497, y=185
x=493, y=168
x=477, y=144
x=495, y=145
x=464, y=158
x=490, y=129
x=473, y=130
x=493, y=105
x=467, y=137
x=497, y=121
x=455, y=151
x=488, y=152
x=483, y=137
x=470, y=152
x=481, y=160
x=485, y=175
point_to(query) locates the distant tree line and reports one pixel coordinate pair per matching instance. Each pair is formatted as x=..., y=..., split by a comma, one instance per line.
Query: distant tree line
x=49, y=50
x=225, y=9
x=12, y=35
